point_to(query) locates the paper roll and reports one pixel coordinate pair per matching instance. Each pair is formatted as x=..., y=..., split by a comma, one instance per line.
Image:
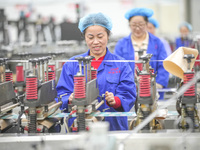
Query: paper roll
x=176, y=64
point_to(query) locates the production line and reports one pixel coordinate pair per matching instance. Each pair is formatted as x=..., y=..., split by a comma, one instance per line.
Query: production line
x=34, y=93
x=73, y=79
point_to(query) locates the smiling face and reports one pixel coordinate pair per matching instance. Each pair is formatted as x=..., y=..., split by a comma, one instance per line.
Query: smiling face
x=138, y=26
x=96, y=38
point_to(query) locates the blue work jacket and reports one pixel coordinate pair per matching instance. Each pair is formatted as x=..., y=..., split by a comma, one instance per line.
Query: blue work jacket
x=115, y=77
x=182, y=43
x=124, y=48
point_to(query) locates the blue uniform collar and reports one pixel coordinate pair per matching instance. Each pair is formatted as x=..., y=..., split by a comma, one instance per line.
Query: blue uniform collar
x=151, y=46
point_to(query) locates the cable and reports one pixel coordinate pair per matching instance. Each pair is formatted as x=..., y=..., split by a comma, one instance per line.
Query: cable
x=66, y=124
x=67, y=119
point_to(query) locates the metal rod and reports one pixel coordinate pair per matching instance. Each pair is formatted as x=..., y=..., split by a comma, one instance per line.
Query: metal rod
x=38, y=68
x=9, y=107
x=47, y=70
x=43, y=73
x=98, y=105
x=55, y=105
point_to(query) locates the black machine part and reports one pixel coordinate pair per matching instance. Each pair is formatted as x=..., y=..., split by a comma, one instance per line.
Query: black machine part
x=188, y=57
x=46, y=94
x=7, y=92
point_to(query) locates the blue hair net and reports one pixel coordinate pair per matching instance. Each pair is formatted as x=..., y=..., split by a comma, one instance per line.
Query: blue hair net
x=186, y=24
x=95, y=19
x=154, y=22
x=146, y=12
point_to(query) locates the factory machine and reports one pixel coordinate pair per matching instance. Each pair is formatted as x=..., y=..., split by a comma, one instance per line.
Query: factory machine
x=8, y=99
x=38, y=104
x=39, y=101
x=86, y=93
x=186, y=104
x=147, y=97
x=181, y=64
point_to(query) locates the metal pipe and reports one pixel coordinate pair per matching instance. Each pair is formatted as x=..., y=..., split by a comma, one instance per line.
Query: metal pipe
x=80, y=59
x=84, y=68
x=98, y=105
x=38, y=68
x=33, y=61
x=43, y=73
x=55, y=105
x=9, y=107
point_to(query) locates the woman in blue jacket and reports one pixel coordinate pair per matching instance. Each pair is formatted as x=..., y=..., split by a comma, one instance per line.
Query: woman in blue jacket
x=184, y=40
x=115, y=79
x=139, y=39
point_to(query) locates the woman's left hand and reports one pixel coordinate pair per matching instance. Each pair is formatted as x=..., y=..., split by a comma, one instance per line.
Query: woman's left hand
x=159, y=86
x=110, y=98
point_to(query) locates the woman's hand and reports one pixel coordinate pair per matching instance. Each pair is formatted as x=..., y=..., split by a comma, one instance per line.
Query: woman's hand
x=110, y=98
x=71, y=97
x=159, y=86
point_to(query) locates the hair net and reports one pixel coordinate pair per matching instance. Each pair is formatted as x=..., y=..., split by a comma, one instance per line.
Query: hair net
x=95, y=19
x=186, y=24
x=146, y=12
x=154, y=22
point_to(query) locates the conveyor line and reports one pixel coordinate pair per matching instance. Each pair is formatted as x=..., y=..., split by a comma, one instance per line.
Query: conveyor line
x=94, y=114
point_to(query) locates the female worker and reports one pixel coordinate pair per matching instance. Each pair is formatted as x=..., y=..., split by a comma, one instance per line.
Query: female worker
x=115, y=79
x=184, y=40
x=139, y=39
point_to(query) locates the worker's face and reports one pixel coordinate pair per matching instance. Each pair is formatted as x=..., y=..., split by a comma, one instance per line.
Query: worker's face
x=151, y=28
x=184, y=31
x=138, y=26
x=96, y=38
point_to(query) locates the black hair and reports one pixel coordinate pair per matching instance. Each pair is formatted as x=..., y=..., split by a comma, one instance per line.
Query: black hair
x=145, y=18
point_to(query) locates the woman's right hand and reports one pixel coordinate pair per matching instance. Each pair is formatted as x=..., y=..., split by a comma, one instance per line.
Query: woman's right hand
x=71, y=97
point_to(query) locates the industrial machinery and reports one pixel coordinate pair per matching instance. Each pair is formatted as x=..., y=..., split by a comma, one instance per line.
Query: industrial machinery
x=40, y=97
x=186, y=104
x=8, y=98
x=147, y=98
x=86, y=92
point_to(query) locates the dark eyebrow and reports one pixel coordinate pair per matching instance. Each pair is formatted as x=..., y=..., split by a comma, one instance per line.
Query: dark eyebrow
x=90, y=34
x=99, y=33
x=137, y=22
x=93, y=35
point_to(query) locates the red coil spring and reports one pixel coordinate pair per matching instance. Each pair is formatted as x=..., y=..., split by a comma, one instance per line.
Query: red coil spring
x=52, y=67
x=93, y=74
x=19, y=73
x=9, y=76
x=145, y=85
x=191, y=90
x=51, y=75
x=79, y=87
x=31, y=88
